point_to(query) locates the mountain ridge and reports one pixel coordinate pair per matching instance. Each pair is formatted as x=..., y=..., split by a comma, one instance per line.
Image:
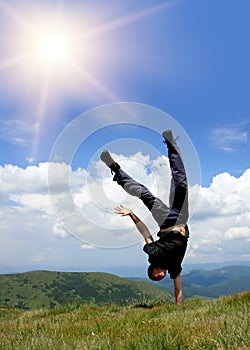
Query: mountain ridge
x=42, y=288
x=227, y=280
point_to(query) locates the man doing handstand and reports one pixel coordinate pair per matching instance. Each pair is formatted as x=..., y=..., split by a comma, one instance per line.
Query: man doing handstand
x=166, y=253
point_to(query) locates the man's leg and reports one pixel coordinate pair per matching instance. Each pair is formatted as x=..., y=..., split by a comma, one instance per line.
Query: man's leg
x=179, y=187
x=158, y=209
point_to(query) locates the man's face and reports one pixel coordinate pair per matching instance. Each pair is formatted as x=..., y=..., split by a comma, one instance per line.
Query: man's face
x=158, y=273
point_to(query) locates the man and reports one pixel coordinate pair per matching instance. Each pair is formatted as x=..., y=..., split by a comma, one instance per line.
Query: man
x=167, y=253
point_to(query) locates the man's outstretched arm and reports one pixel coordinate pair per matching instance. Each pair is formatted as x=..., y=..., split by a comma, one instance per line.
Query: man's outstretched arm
x=142, y=228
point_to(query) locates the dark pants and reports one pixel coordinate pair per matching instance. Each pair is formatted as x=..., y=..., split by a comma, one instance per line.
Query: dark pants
x=165, y=216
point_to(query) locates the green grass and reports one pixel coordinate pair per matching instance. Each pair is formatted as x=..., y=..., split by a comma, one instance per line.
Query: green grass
x=198, y=324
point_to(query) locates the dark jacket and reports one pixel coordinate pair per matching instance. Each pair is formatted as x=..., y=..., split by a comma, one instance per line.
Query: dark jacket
x=167, y=252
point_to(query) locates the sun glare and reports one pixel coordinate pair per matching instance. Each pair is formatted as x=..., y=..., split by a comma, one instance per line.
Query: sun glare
x=53, y=48
x=48, y=49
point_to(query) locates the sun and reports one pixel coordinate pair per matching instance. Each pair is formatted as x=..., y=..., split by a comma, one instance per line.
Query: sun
x=53, y=47
x=51, y=51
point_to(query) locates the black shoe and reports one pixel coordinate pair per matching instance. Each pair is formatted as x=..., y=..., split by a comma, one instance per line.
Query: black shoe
x=109, y=161
x=168, y=136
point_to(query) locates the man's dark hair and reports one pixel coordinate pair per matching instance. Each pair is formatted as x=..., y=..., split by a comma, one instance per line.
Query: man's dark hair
x=150, y=272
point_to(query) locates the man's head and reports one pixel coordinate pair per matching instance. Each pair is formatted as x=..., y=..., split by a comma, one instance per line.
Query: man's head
x=156, y=273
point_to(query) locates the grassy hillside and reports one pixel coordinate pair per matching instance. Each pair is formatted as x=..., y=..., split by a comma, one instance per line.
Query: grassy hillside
x=49, y=289
x=198, y=324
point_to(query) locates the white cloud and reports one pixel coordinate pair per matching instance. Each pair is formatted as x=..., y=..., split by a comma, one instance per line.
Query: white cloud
x=16, y=180
x=30, y=159
x=238, y=232
x=223, y=218
x=228, y=137
x=18, y=130
x=84, y=209
x=59, y=230
x=86, y=246
x=227, y=195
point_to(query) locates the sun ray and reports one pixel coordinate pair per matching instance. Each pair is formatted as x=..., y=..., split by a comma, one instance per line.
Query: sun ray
x=16, y=60
x=44, y=95
x=94, y=82
x=45, y=49
x=16, y=16
x=126, y=20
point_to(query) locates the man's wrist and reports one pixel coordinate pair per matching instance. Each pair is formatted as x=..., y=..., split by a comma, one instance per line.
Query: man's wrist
x=132, y=214
x=134, y=217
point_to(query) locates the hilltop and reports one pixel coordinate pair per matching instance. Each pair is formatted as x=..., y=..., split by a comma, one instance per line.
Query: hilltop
x=49, y=289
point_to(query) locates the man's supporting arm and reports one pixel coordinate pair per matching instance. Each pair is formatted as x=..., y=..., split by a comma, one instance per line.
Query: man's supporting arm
x=178, y=289
x=141, y=227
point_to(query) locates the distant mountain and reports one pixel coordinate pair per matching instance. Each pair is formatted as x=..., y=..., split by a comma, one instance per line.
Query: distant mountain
x=227, y=280
x=118, y=270
x=48, y=289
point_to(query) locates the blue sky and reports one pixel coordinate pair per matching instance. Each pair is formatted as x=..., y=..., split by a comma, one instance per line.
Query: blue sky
x=65, y=62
